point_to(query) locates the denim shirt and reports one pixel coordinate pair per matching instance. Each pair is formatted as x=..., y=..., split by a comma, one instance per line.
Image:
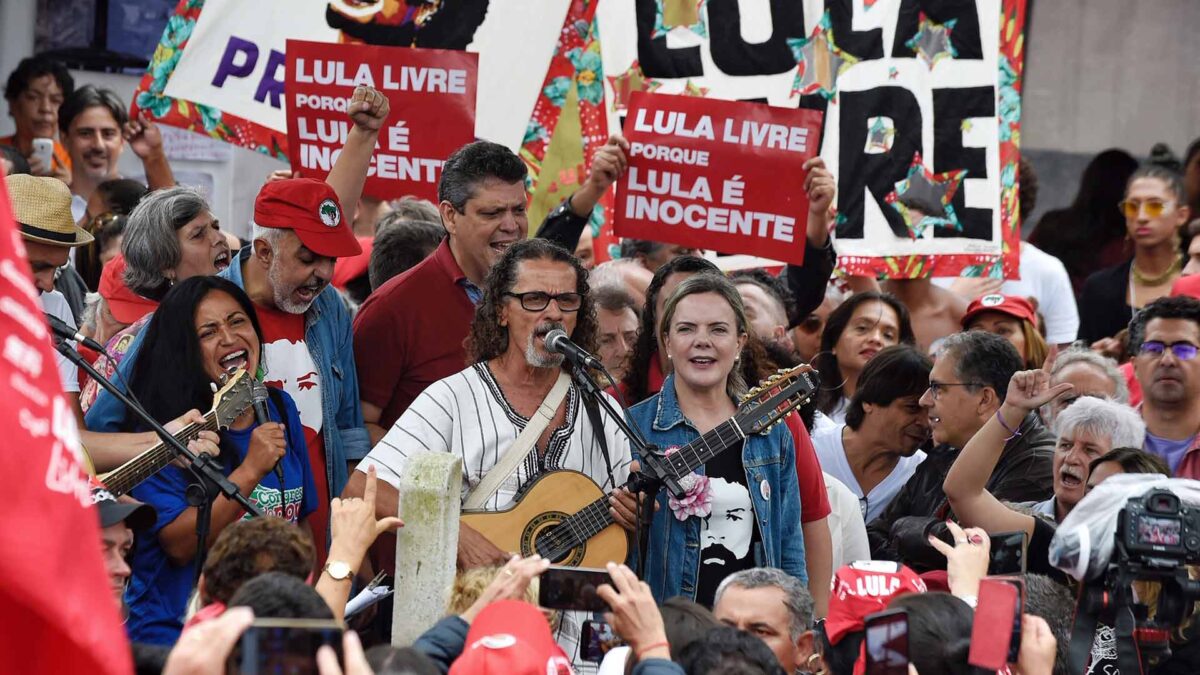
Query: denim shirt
x=673, y=555
x=327, y=334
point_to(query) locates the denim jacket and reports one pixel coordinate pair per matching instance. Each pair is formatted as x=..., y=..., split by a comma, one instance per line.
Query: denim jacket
x=673, y=556
x=327, y=334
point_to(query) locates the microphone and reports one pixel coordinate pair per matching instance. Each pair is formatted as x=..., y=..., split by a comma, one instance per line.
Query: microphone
x=62, y=330
x=259, y=399
x=557, y=341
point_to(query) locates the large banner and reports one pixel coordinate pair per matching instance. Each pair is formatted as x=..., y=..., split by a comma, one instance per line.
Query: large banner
x=702, y=173
x=921, y=97
x=432, y=97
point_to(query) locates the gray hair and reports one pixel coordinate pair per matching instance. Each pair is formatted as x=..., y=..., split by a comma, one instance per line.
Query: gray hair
x=413, y=208
x=796, y=597
x=1083, y=355
x=1101, y=417
x=271, y=235
x=150, y=244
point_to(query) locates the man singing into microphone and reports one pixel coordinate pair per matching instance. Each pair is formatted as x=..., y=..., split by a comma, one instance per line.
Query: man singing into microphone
x=479, y=413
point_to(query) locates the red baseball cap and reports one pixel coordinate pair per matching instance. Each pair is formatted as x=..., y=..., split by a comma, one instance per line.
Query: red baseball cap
x=352, y=267
x=511, y=637
x=1012, y=305
x=125, y=305
x=862, y=588
x=309, y=208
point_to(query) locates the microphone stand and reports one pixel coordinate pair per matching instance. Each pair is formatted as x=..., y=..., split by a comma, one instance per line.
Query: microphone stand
x=652, y=476
x=209, y=480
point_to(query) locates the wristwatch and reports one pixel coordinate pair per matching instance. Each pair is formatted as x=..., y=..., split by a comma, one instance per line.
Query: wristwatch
x=338, y=570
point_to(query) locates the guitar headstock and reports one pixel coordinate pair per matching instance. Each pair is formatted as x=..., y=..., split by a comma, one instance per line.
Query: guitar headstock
x=233, y=398
x=768, y=403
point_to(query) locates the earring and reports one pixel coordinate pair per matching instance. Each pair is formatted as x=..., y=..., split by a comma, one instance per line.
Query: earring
x=811, y=665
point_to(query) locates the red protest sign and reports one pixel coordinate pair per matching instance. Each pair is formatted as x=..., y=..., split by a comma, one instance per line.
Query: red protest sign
x=432, y=97
x=717, y=175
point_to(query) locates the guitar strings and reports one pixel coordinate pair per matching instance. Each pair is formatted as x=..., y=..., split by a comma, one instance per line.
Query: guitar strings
x=152, y=457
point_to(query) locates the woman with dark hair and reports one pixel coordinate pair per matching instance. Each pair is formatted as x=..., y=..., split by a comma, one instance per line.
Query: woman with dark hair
x=1191, y=177
x=1089, y=234
x=204, y=329
x=1012, y=318
x=1155, y=209
x=743, y=508
x=855, y=332
x=112, y=201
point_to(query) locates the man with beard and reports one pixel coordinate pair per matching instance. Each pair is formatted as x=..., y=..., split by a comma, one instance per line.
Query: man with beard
x=479, y=412
x=94, y=128
x=1165, y=336
x=876, y=451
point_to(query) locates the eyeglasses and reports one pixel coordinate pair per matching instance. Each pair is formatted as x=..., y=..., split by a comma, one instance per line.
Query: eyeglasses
x=936, y=388
x=1184, y=351
x=1132, y=209
x=536, y=301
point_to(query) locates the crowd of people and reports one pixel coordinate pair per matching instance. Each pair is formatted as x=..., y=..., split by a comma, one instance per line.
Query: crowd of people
x=947, y=409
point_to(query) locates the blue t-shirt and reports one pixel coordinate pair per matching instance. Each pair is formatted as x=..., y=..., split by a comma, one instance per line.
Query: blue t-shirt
x=1171, y=451
x=158, y=589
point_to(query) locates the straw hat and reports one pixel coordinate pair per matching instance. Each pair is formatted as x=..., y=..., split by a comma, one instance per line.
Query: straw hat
x=42, y=207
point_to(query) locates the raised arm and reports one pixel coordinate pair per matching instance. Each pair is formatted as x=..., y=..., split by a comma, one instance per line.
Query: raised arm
x=807, y=282
x=966, y=482
x=146, y=141
x=368, y=110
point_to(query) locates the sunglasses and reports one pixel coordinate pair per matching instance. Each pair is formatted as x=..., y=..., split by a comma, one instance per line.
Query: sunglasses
x=1184, y=351
x=1153, y=208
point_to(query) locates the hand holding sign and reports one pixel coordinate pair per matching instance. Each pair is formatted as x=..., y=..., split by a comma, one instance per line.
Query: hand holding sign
x=368, y=109
x=820, y=185
x=608, y=164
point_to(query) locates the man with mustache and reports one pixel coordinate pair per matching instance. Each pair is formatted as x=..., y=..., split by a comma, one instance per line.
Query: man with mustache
x=1164, y=336
x=94, y=128
x=877, y=449
x=478, y=413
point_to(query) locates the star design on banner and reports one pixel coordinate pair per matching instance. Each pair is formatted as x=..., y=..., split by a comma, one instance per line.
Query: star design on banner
x=680, y=14
x=819, y=61
x=932, y=42
x=880, y=135
x=625, y=84
x=693, y=89
x=924, y=199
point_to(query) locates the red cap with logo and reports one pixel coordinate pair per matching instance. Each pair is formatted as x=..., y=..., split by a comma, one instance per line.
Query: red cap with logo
x=309, y=208
x=513, y=638
x=1012, y=305
x=125, y=305
x=865, y=587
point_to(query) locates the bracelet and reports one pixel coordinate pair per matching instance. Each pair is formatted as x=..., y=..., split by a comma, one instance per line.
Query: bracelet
x=1013, y=433
x=656, y=645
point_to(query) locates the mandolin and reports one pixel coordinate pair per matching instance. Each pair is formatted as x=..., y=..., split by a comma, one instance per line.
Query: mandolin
x=563, y=515
x=229, y=402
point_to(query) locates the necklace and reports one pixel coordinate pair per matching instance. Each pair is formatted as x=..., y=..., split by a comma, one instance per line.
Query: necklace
x=1161, y=278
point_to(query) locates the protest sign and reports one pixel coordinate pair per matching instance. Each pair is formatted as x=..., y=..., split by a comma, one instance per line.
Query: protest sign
x=717, y=175
x=432, y=97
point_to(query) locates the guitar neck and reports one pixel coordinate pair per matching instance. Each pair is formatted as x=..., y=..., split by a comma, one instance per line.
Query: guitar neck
x=593, y=518
x=127, y=476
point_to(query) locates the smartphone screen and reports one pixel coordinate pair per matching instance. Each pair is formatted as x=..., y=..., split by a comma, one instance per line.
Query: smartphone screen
x=283, y=646
x=572, y=588
x=595, y=639
x=886, y=638
x=1007, y=553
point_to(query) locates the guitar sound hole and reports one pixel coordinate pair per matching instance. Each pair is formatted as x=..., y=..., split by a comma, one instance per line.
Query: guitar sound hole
x=544, y=537
x=548, y=547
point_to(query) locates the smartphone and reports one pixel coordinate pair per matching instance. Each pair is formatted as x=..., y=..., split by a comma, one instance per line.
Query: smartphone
x=1014, y=643
x=596, y=638
x=996, y=615
x=886, y=642
x=283, y=646
x=572, y=588
x=43, y=149
x=1007, y=553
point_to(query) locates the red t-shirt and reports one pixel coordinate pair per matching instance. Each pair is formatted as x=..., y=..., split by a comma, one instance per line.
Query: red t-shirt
x=410, y=333
x=289, y=366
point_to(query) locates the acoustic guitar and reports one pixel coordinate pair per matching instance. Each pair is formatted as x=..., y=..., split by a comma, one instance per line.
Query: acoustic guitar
x=563, y=515
x=229, y=402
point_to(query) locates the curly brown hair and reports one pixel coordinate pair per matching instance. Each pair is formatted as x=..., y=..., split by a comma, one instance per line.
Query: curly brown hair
x=249, y=548
x=488, y=339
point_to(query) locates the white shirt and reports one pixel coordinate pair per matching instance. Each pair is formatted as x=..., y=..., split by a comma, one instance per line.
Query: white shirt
x=832, y=455
x=55, y=304
x=467, y=414
x=846, y=525
x=1044, y=278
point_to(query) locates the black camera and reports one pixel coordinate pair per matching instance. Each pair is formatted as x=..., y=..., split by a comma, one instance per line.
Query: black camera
x=1158, y=530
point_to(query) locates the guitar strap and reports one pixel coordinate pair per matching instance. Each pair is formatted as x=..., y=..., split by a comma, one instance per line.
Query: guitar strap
x=517, y=452
x=593, y=410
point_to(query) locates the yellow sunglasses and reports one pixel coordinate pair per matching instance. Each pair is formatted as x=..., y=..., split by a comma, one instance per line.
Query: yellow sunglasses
x=1154, y=208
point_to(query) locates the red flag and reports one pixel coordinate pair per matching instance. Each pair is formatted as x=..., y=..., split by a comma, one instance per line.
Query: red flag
x=57, y=613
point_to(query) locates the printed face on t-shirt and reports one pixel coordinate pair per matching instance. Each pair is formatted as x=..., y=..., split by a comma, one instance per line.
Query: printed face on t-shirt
x=726, y=533
x=290, y=367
